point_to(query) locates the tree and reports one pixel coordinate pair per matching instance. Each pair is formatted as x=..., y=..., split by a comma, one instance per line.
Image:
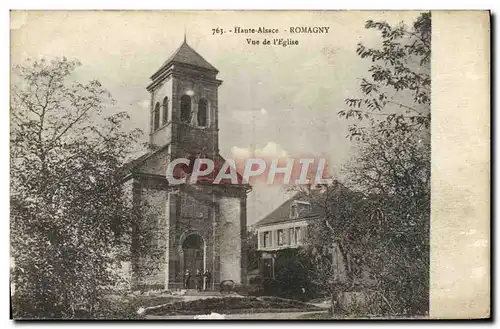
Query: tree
x=68, y=213
x=377, y=221
x=337, y=242
x=397, y=95
x=252, y=250
x=395, y=175
x=392, y=165
x=291, y=277
x=374, y=236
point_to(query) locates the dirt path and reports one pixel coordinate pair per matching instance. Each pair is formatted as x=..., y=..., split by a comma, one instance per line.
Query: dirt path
x=248, y=316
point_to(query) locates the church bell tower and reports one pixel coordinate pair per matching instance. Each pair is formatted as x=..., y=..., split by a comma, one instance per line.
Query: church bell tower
x=184, y=112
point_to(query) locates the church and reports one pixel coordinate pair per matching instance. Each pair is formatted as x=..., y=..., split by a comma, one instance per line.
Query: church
x=199, y=226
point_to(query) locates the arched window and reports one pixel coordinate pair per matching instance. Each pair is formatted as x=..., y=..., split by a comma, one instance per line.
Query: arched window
x=185, y=108
x=156, y=117
x=202, y=112
x=165, y=110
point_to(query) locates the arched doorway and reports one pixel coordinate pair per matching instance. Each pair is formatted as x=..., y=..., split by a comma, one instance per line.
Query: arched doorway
x=193, y=255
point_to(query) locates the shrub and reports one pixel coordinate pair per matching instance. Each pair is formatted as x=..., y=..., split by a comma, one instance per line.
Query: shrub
x=292, y=277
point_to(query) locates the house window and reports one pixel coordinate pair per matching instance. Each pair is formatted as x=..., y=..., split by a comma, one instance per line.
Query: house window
x=280, y=237
x=267, y=239
x=293, y=211
x=291, y=237
x=303, y=208
x=165, y=110
x=185, y=108
x=297, y=236
x=156, y=117
x=202, y=112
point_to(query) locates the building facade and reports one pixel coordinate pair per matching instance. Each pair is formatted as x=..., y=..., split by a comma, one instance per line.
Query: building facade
x=199, y=226
x=285, y=227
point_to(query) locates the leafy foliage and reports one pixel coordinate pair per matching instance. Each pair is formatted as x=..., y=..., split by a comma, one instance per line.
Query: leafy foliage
x=252, y=252
x=292, y=277
x=397, y=95
x=392, y=167
x=68, y=211
x=374, y=237
x=394, y=174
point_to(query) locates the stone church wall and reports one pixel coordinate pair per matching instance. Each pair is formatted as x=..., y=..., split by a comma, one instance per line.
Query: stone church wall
x=163, y=135
x=157, y=164
x=194, y=139
x=230, y=239
x=197, y=210
x=171, y=215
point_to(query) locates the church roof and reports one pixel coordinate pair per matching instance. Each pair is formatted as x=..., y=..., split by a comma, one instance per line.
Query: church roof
x=180, y=171
x=187, y=55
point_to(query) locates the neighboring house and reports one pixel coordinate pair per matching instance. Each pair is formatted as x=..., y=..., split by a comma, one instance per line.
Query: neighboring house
x=285, y=227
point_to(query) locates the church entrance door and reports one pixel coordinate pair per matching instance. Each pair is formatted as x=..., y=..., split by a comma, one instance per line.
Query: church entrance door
x=192, y=248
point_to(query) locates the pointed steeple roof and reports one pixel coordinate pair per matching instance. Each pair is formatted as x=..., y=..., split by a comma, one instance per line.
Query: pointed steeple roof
x=187, y=55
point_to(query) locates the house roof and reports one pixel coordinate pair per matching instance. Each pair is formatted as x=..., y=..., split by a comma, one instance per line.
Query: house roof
x=282, y=213
x=187, y=55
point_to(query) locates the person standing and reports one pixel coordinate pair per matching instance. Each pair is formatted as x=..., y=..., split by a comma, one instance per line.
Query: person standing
x=199, y=280
x=207, y=277
x=187, y=277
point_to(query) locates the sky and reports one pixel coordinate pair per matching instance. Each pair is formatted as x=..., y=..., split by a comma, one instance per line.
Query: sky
x=276, y=100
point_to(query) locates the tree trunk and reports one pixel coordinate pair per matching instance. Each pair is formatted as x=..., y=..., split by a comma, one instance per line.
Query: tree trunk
x=333, y=302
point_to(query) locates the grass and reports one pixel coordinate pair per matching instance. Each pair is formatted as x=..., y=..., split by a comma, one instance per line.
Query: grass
x=148, y=301
x=125, y=307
